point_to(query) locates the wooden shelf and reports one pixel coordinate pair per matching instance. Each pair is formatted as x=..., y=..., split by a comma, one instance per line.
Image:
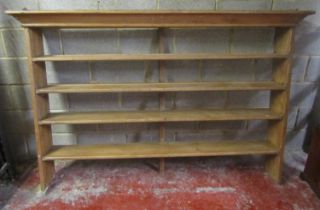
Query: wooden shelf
x=160, y=87
x=158, y=116
x=159, y=18
x=158, y=57
x=155, y=150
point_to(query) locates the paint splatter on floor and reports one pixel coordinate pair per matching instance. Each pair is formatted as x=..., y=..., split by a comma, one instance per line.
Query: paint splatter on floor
x=210, y=183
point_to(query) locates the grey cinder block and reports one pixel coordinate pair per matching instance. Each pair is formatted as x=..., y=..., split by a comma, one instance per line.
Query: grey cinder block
x=68, y=72
x=252, y=40
x=244, y=4
x=86, y=41
x=127, y=5
x=68, y=5
x=187, y=4
x=202, y=40
x=13, y=71
x=313, y=71
x=15, y=43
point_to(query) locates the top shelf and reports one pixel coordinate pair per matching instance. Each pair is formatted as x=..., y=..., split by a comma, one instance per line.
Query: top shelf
x=158, y=18
x=160, y=57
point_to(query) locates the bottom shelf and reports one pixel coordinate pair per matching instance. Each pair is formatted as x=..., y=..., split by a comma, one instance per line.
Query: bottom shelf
x=155, y=150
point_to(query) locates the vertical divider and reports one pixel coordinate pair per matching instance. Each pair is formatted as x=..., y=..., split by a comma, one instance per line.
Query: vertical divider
x=162, y=103
x=40, y=104
x=280, y=100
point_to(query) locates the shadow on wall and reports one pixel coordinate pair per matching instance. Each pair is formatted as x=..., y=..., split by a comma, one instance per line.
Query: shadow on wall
x=15, y=102
x=305, y=122
x=306, y=39
x=314, y=119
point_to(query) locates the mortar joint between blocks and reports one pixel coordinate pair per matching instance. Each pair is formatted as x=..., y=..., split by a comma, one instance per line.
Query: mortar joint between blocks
x=98, y=5
x=305, y=70
x=174, y=47
x=120, y=96
x=11, y=29
x=200, y=70
x=60, y=42
x=3, y=44
x=118, y=40
x=13, y=58
x=226, y=103
x=26, y=146
x=231, y=39
x=91, y=79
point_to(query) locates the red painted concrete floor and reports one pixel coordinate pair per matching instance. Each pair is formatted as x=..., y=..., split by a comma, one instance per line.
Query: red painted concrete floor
x=212, y=183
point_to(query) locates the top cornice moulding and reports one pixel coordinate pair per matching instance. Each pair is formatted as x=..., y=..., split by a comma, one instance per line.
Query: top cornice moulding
x=159, y=18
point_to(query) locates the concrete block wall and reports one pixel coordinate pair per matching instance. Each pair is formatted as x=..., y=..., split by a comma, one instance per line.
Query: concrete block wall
x=15, y=107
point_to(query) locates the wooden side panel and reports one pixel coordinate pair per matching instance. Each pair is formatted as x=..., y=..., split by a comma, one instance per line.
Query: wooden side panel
x=40, y=105
x=280, y=101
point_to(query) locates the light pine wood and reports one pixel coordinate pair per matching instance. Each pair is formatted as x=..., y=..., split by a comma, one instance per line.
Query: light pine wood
x=283, y=21
x=160, y=56
x=40, y=104
x=154, y=150
x=283, y=42
x=158, y=18
x=159, y=116
x=280, y=101
x=160, y=87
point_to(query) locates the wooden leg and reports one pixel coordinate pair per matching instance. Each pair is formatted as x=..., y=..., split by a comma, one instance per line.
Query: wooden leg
x=274, y=167
x=162, y=133
x=161, y=165
x=277, y=135
x=46, y=173
x=44, y=143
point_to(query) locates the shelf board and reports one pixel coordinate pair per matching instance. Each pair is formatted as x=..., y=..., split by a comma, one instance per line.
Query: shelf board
x=159, y=87
x=158, y=150
x=157, y=57
x=159, y=116
x=159, y=18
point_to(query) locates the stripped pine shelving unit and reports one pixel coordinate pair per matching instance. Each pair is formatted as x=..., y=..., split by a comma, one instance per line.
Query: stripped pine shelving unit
x=283, y=22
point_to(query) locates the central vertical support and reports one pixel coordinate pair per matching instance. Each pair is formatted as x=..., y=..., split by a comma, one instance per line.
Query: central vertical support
x=280, y=101
x=162, y=103
x=40, y=104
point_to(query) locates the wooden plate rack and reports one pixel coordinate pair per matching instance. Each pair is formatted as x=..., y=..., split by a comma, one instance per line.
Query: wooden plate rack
x=276, y=114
